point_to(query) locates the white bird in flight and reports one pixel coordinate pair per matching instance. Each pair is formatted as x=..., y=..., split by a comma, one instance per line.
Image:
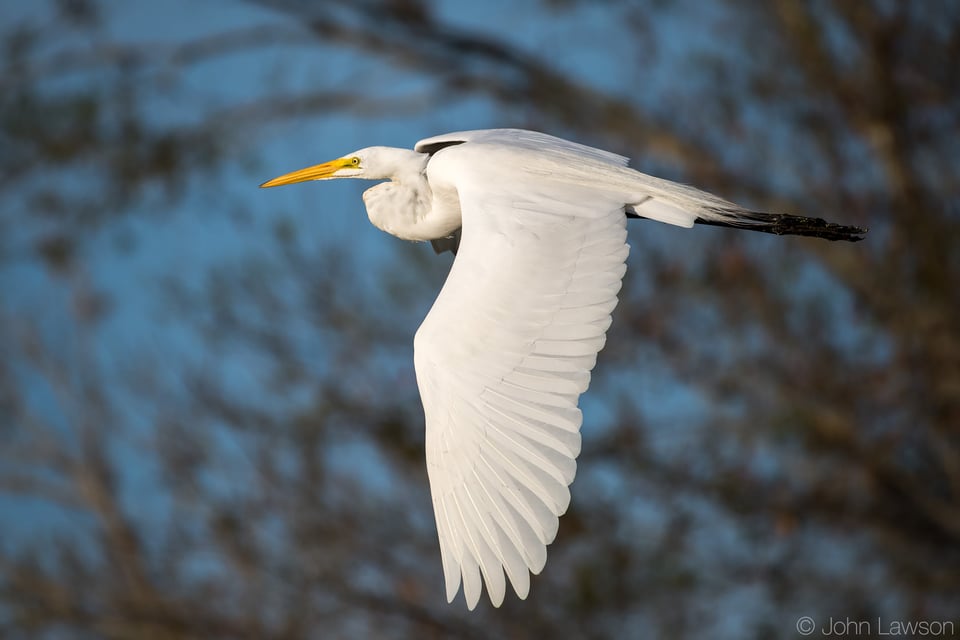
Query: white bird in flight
x=539, y=228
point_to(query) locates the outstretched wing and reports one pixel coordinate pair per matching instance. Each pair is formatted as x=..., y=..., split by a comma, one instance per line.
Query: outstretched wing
x=504, y=355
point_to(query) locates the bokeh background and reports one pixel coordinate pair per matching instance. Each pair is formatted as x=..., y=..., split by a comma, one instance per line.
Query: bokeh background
x=209, y=422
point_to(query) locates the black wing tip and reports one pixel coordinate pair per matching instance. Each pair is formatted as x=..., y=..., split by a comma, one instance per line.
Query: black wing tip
x=782, y=224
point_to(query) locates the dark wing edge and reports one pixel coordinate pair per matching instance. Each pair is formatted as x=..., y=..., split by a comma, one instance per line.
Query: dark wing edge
x=451, y=243
x=431, y=148
x=780, y=224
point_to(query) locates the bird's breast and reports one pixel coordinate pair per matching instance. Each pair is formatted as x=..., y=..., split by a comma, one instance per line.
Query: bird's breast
x=412, y=211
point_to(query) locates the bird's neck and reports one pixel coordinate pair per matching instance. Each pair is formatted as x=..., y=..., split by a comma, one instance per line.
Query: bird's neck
x=406, y=207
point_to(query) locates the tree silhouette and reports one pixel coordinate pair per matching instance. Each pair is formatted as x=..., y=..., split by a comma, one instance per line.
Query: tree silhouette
x=772, y=431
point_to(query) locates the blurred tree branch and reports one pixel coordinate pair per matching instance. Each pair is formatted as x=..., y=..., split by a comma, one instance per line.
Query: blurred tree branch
x=819, y=467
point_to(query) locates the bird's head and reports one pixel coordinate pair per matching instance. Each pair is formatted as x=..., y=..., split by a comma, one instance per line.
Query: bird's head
x=372, y=163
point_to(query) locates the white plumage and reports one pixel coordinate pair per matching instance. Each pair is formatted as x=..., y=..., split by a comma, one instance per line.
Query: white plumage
x=501, y=361
x=507, y=349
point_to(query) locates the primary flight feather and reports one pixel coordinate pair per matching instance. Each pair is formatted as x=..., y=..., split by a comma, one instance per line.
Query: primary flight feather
x=538, y=226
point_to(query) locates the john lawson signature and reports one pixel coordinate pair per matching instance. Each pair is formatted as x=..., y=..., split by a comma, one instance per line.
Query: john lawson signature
x=851, y=628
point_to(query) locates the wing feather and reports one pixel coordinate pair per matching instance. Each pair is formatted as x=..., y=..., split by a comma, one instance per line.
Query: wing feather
x=505, y=353
x=482, y=538
x=521, y=521
x=517, y=137
x=573, y=383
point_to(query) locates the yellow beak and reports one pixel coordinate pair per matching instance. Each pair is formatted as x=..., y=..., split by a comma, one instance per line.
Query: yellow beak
x=316, y=172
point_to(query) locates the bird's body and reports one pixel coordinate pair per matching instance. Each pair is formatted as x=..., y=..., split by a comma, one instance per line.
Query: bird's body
x=539, y=228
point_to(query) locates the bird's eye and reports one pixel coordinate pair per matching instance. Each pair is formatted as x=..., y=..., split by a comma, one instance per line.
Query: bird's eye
x=355, y=161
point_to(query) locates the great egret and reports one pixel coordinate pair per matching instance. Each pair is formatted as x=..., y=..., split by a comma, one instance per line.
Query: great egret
x=538, y=226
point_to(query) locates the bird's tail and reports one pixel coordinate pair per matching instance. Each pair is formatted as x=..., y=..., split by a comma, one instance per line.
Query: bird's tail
x=779, y=223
